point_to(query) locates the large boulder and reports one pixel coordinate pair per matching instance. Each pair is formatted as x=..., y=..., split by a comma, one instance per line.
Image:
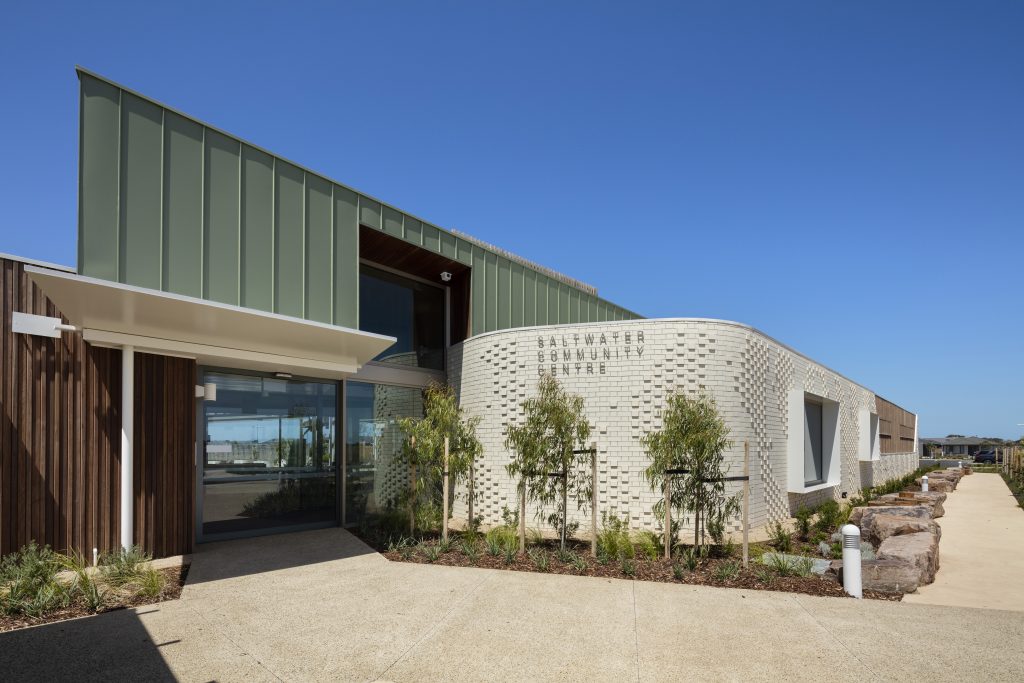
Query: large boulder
x=941, y=484
x=933, y=499
x=919, y=550
x=858, y=515
x=878, y=527
x=888, y=575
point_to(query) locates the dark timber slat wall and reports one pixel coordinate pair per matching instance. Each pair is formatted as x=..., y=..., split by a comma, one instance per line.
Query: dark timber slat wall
x=164, y=464
x=896, y=427
x=60, y=435
x=60, y=438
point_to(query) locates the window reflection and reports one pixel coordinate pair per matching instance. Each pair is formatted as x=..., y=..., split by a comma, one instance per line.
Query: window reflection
x=269, y=456
x=375, y=477
x=411, y=311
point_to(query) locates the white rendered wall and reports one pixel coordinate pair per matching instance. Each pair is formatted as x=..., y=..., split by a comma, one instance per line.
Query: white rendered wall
x=625, y=370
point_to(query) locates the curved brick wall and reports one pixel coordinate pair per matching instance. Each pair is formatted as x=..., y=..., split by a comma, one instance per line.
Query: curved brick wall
x=625, y=370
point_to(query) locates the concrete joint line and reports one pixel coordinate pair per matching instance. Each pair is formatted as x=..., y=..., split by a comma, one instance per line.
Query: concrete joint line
x=437, y=625
x=213, y=627
x=832, y=635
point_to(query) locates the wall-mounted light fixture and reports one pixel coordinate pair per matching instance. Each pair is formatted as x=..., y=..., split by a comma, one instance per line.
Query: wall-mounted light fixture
x=446, y=276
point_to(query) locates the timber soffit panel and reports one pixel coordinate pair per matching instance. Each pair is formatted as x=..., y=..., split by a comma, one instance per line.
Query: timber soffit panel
x=215, y=217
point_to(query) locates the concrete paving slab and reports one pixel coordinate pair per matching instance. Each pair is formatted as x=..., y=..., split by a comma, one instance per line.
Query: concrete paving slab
x=317, y=606
x=981, y=554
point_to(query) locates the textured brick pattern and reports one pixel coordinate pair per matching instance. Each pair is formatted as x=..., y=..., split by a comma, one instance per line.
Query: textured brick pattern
x=625, y=371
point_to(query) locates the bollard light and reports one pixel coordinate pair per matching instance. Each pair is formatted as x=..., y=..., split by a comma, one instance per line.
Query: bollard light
x=924, y=483
x=851, y=561
x=959, y=464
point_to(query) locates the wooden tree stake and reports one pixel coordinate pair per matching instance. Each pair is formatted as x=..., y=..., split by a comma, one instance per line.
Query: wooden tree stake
x=746, y=504
x=668, y=516
x=444, y=495
x=522, y=519
x=593, y=499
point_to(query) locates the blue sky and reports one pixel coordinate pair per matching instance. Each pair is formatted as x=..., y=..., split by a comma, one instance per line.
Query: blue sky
x=846, y=176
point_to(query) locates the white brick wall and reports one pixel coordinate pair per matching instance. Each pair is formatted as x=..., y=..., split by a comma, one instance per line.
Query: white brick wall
x=625, y=370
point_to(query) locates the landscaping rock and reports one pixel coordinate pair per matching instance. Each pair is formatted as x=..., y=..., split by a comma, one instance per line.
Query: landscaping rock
x=878, y=527
x=889, y=575
x=942, y=484
x=933, y=499
x=919, y=550
x=857, y=515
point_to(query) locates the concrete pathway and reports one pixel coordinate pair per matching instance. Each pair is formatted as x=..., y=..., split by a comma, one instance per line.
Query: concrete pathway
x=981, y=554
x=320, y=606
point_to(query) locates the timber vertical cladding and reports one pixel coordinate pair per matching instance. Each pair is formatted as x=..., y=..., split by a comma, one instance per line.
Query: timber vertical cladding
x=170, y=203
x=60, y=438
x=896, y=427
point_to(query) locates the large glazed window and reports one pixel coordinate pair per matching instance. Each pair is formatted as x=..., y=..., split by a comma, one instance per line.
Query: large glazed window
x=813, y=453
x=407, y=309
x=375, y=477
x=269, y=456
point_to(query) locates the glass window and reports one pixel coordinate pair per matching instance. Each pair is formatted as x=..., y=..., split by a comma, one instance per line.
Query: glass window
x=411, y=311
x=269, y=457
x=375, y=478
x=813, y=453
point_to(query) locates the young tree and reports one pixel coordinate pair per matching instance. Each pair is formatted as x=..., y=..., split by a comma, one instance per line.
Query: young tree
x=423, y=447
x=693, y=437
x=554, y=426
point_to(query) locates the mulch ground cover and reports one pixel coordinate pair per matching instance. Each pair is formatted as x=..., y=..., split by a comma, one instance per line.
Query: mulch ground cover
x=710, y=572
x=172, y=591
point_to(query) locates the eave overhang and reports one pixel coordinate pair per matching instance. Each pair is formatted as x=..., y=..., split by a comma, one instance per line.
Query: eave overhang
x=114, y=314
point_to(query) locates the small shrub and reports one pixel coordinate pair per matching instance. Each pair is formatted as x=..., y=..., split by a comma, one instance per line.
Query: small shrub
x=534, y=536
x=647, y=545
x=150, y=583
x=727, y=570
x=494, y=546
x=407, y=551
x=781, y=538
x=628, y=566
x=613, y=540
x=471, y=551
x=511, y=552
x=781, y=565
x=678, y=572
x=123, y=566
x=29, y=581
x=765, y=576
x=579, y=564
x=431, y=552
x=691, y=559
x=504, y=535
x=802, y=566
x=539, y=558
x=444, y=545
x=828, y=516
x=803, y=522
x=565, y=556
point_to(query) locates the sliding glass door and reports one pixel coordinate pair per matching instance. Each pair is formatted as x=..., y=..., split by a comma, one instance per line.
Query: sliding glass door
x=269, y=454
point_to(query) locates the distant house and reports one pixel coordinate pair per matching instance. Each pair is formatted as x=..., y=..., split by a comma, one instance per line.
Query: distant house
x=953, y=446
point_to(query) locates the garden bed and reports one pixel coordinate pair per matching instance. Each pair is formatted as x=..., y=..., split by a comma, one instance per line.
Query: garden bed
x=38, y=586
x=724, y=571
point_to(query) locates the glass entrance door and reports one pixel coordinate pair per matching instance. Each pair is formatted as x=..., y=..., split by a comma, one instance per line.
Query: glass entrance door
x=269, y=454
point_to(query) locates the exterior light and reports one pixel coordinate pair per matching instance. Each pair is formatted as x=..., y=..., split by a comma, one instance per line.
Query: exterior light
x=446, y=276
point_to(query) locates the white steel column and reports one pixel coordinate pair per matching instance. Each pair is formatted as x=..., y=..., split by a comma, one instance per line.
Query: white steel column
x=127, y=440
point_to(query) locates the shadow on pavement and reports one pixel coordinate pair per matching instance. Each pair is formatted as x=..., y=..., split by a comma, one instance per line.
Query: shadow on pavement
x=114, y=646
x=243, y=557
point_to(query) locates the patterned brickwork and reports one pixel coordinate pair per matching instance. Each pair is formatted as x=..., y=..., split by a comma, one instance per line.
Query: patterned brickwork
x=625, y=371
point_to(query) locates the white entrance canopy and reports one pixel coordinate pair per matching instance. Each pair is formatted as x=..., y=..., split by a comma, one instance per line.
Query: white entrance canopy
x=151, y=321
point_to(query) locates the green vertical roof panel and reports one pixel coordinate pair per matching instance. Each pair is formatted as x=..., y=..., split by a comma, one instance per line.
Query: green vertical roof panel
x=99, y=179
x=257, y=238
x=141, y=190
x=319, y=289
x=223, y=163
x=346, y=258
x=183, y=205
x=289, y=249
